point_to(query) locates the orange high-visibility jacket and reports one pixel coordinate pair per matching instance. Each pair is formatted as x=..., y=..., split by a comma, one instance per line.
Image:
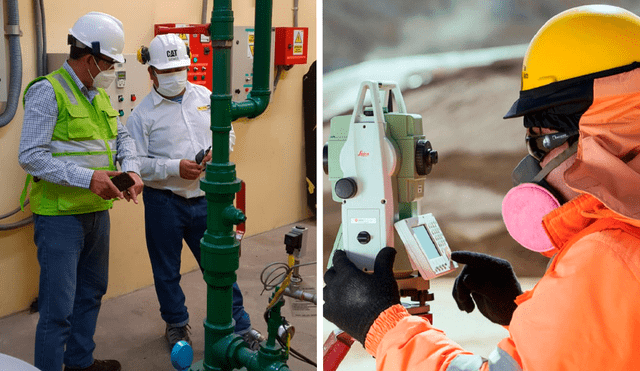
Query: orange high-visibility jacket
x=584, y=314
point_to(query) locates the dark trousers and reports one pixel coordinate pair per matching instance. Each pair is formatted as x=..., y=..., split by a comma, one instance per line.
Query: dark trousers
x=169, y=219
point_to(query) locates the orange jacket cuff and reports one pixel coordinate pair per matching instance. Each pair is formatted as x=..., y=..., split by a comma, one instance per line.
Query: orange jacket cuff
x=385, y=322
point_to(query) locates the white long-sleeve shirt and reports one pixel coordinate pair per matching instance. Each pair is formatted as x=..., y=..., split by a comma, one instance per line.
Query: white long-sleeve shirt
x=166, y=132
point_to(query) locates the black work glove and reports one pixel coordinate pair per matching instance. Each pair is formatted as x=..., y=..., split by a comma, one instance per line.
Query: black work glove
x=354, y=299
x=490, y=282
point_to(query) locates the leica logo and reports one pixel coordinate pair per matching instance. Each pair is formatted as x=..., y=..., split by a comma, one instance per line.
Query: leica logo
x=363, y=154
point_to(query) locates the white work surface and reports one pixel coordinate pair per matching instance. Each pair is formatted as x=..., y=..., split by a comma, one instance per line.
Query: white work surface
x=8, y=363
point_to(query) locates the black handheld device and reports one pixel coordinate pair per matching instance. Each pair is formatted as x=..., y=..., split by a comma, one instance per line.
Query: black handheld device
x=201, y=155
x=123, y=181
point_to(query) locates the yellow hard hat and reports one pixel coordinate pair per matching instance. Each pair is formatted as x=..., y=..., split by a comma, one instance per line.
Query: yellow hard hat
x=581, y=41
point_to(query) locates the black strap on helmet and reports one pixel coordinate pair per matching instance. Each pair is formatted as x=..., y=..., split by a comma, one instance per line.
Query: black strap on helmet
x=95, y=48
x=95, y=45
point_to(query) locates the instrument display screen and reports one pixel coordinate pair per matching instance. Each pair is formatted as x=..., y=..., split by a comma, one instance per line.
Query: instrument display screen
x=425, y=242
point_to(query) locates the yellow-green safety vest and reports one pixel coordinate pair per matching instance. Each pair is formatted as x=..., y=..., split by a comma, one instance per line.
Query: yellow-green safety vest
x=85, y=134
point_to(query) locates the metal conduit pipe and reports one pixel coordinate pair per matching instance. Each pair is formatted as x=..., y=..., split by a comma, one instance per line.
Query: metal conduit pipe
x=19, y=223
x=15, y=86
x=295, y=13
x=15, y=55
x=3, y=216
x=205, y=4
x=40, y=67
x=16, y=225
x=42, y=58
x=38, y=19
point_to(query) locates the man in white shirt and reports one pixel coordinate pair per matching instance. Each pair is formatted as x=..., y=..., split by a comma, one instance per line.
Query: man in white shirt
x=170, y=126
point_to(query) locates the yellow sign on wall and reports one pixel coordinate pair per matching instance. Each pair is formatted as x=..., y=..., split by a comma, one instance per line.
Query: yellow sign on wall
x=298, y=42
x=250, y=42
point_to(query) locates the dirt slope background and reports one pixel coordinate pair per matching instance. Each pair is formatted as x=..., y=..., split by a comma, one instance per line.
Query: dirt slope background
x=462, y=117
x=359, y=30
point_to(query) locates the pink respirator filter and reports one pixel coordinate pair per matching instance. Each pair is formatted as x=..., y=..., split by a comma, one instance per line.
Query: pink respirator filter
x=523, y=208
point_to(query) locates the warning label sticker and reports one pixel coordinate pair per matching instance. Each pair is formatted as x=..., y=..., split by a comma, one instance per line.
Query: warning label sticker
x=298, y=42
x=250, y=42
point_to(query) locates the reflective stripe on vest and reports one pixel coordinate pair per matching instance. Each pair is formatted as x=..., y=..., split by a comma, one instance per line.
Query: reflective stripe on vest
x=86, y=153
x=67, y=88
x=498, y=360
x=94, y=146
x=466, y=362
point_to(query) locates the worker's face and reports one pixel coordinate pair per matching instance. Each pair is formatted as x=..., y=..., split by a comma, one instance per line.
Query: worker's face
x=153, y=76
x=99, y=64
x=95, y=65
x=556, y=177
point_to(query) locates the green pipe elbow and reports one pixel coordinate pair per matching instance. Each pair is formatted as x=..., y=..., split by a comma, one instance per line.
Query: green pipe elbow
x=233, y=215
x=261, y=100
x=255, y=104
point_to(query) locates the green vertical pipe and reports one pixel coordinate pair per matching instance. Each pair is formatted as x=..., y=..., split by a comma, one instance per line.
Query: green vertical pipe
x=219, y=248
x=262, y=63
x=258, y=99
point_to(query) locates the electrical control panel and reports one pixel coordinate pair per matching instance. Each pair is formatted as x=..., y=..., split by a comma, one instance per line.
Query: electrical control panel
x=199, y=44
x=291, y=45
x=132, y=82
x=200, y=71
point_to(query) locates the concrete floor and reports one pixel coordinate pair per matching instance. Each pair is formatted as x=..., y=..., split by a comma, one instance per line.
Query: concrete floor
x=130, y=328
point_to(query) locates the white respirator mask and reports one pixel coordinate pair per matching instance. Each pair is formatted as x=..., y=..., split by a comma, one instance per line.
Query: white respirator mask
x=171, y=84
x=103, y=79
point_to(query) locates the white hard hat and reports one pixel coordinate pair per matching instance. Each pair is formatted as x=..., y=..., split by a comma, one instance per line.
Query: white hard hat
x=100, y=31
x=168, y=51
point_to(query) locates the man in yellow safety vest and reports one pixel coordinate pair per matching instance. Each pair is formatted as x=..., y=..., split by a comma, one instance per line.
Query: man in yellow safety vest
x=71, y=141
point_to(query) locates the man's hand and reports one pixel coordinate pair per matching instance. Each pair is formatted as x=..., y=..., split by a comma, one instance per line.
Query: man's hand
x=190, y=169
x=132, y=192
x=102, y=186
x=206, y=159
x=491, y=283
x=354, y=299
